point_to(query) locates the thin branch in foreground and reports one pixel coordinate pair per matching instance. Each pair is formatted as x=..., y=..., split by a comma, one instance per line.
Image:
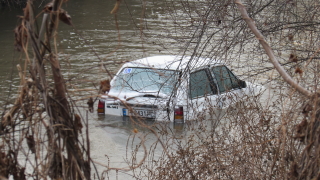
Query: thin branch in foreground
x=269, y=51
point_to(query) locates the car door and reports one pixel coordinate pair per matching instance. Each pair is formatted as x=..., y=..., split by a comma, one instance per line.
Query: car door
x=229, y=86
x=203, y=93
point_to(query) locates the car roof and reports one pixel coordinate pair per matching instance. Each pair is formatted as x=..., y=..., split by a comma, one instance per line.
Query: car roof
x=172, y=62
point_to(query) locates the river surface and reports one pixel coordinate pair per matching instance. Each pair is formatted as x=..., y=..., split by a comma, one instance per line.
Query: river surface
x=96, y=36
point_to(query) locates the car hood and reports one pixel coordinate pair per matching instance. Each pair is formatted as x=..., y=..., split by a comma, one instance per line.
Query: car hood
x=133, y=94
x=141, y=98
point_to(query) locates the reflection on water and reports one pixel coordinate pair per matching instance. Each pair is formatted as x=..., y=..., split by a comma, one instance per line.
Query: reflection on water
x=114, y=139
x=129, y=125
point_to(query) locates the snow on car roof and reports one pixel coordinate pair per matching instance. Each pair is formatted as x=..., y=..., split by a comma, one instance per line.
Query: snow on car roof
x=171, y=62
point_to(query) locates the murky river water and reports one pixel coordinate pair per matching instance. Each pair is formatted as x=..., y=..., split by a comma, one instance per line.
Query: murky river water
x=94, y=38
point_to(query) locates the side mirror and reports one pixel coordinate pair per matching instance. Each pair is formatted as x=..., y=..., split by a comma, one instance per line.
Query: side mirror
x=243, y=84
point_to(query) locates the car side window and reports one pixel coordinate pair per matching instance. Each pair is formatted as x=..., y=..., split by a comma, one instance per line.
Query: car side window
x=201, y=84
x=225, y=78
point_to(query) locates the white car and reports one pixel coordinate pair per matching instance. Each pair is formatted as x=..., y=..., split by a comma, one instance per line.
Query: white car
x=173, y=88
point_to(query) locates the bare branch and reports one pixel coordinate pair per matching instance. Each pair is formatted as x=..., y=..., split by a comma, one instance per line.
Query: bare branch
x=269, y=51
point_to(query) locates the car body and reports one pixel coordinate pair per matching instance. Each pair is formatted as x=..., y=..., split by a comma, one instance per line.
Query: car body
x=173, y=88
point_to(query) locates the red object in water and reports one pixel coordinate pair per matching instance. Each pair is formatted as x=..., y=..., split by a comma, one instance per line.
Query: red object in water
x=178, y=115
x=101, y=106
x=178, y=111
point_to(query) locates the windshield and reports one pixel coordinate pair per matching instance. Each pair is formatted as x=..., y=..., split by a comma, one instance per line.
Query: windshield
x=145, y=80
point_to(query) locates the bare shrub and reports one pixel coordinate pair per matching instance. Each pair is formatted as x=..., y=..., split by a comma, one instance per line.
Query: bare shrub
x=41, y=135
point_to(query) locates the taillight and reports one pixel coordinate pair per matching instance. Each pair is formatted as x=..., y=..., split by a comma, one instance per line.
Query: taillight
x=178, y=115
x=101, y=106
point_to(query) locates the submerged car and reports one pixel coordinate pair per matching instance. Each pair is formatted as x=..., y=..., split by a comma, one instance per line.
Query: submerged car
x=173, y=88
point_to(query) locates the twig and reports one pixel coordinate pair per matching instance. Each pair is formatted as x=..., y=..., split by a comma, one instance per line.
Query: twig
x=269, y=51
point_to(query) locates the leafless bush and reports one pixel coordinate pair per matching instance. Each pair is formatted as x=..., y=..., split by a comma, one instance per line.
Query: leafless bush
x=41, y=133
